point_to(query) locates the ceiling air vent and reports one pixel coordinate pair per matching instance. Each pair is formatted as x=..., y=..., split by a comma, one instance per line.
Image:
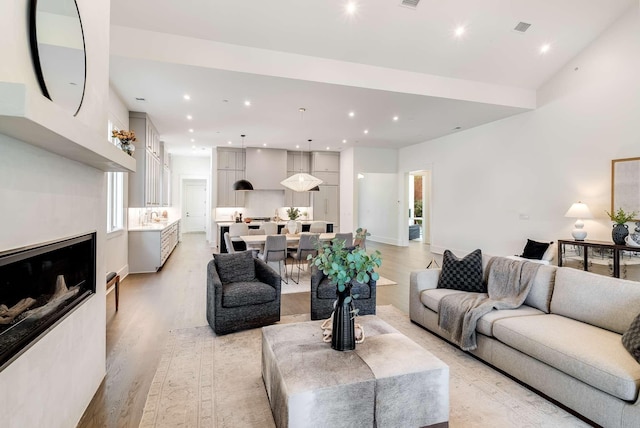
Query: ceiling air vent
x=522, y=27
x=410, y=3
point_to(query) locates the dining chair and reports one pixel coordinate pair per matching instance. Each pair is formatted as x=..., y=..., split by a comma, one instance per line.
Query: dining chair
x=361, y=239
x=256, y=248
x=269, y=227
x=307, y=245
x=236, y=230
x=346, y=237
x=229, y=243
x=275, y=250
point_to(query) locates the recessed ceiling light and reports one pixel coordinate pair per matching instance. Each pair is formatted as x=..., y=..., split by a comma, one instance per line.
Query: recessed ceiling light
x=191, y=130
x=351, y=114
x=247, y=103
x=344, y=141
x=297, y=146
x=187, y=97
x=264, y=144
x=328, y=147
x=193, y=140
x=229, y=142
x=395, y=118
x=459, y=31
x=350, y=8
x=366, y=131
x=545, y=48
x=189, y=117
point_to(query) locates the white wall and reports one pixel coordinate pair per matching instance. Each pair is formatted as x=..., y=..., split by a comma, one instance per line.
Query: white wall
x=538, y=163
x=117, y=249
x=362, y=160
x=193, y=167
x=46, y=197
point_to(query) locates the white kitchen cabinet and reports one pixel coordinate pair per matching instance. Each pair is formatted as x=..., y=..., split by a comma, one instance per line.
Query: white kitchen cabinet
x=227, y=197
x=326, y=204
x=325, y=161
x=328, y=178
x=149, y=248
x=297, y=199
x=145, y=185
x=298, y=162
x=266, y=168
x=230, y=158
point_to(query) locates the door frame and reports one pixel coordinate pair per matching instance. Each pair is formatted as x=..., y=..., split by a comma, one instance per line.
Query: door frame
x=207, y=215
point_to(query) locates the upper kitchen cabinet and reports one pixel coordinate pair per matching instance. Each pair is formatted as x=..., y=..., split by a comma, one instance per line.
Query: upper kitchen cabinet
x=298, y=162
x=230, y=169
x=266, y=168
x=166, y=175
x=145, y=185
x=325, y=161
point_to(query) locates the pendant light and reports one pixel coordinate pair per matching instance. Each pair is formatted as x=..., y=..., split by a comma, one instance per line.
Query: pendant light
x=243, y=185
x=301, y=182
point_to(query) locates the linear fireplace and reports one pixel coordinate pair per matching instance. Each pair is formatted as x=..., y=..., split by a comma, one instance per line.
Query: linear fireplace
x=39, y=286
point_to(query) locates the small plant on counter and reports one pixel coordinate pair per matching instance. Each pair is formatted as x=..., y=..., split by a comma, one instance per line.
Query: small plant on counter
x=293, y=213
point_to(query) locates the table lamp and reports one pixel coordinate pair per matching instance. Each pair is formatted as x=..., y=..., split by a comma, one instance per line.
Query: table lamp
x=579, y=211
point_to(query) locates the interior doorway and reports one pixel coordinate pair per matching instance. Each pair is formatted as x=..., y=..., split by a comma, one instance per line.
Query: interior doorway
x=194, y=207
x=419, y=198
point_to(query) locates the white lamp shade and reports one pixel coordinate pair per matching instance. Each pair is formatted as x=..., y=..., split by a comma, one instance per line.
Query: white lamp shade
x=301, y=182
x=579, y=210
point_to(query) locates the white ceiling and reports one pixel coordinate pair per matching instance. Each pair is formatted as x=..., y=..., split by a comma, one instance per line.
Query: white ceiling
x=382, y=34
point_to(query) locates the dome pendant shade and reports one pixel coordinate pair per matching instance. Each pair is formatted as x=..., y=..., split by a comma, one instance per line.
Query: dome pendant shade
x=301, y=182
x=242, y=185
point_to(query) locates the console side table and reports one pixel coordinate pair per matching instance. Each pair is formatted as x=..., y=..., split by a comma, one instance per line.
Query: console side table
x=610, y=254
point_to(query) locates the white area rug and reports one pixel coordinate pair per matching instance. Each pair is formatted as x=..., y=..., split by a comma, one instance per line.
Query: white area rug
x=305, y=282
x=208, y=381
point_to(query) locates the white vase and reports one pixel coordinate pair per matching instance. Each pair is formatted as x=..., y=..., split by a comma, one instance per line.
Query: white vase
x=292, y=226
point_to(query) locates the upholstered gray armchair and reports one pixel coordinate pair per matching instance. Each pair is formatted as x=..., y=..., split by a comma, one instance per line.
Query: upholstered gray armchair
x=323, y=294
x=242, y=292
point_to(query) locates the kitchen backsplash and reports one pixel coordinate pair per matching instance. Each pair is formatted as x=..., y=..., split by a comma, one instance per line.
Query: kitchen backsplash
x=263, y=203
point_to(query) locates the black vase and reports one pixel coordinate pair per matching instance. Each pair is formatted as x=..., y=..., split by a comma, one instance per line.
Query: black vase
x=343, y=335
x=620, y=231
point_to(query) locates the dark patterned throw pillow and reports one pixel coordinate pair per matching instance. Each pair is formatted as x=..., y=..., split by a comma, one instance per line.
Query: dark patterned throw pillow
x=462, y=274
x=235, y=267
x=631, y=338
x=535, y=250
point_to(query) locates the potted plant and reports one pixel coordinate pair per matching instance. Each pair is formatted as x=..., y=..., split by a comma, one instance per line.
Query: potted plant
x=345, y=265
x=293, y=214
x=126, y=140
x=620, y=229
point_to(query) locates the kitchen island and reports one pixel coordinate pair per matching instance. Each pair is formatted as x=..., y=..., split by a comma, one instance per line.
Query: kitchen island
x=151, y=245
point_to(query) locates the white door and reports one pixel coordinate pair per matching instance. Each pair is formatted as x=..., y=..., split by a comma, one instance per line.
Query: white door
x=195, y=206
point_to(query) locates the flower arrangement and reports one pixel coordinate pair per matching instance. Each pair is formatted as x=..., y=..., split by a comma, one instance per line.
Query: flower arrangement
x=293, y=213
x=621, y=217
x=126, y=139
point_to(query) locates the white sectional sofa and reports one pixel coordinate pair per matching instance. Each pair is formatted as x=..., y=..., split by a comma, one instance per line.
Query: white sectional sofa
x=565, y=341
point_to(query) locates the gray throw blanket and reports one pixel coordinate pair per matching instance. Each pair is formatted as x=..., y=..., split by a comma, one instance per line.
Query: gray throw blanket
x=508, y=283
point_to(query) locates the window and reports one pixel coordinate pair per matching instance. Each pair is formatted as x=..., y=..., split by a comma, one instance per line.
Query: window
x=115, y=209
x=115, y=194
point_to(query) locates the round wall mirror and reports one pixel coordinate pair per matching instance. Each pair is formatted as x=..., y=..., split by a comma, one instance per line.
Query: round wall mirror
x=58, y=51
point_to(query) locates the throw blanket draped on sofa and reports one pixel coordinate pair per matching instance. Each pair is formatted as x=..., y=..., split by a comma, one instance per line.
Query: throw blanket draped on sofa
x=508, y=283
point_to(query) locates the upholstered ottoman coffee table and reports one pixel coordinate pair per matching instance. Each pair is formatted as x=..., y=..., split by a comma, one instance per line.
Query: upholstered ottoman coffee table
x=388, y=381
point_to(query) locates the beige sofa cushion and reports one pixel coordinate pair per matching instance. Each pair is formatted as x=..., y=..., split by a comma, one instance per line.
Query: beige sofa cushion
x=485, y=324
x=431, y=297
x=599, y=300
x=540, y=294
x=591, y=354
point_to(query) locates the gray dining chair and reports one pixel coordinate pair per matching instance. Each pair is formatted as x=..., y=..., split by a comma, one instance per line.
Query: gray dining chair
x=307, y=245
x=318, y=227
x=346, y=237
x=275, y=250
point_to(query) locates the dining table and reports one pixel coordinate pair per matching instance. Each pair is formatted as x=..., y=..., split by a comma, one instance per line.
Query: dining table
x=258, y=240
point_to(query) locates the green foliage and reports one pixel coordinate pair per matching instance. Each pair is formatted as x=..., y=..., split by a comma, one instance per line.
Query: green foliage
x=620, y=217
x=417, y=208
x=342, y=266
x=293, y=213
x=361, y=233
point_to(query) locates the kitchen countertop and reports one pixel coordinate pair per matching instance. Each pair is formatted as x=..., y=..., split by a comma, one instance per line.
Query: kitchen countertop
x=227, y=223
x=153, y=227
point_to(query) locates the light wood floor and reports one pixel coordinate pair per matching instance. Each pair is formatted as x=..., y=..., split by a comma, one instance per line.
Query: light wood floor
x=153, y=304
